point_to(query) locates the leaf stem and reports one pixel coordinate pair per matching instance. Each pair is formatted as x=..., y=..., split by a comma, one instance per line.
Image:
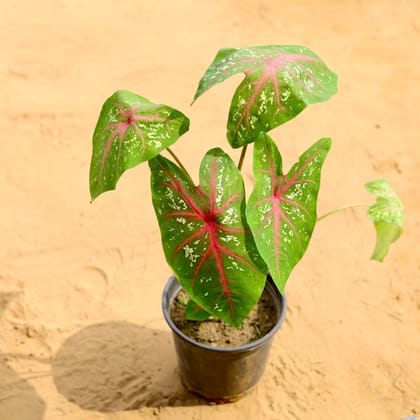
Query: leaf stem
x=172, y=153
x=350, y=206
x=241, y=159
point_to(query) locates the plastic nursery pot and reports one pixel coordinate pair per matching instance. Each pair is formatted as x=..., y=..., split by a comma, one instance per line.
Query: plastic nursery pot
x=216, y=373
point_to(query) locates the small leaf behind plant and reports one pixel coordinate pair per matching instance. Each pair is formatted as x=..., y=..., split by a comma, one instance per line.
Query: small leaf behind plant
x=387, y=215
x=280, y=81
x=205, y=237
x=281, y=210
x=194, y=312
x=130, y=130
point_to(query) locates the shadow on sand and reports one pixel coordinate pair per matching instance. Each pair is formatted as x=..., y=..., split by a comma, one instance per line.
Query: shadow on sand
x=116, y=366
x=18, y=398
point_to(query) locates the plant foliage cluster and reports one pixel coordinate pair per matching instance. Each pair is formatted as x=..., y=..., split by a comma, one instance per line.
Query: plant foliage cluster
x=220, y=245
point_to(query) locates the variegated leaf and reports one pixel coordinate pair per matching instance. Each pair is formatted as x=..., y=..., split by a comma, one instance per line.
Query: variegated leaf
x=387, y=215
x=280, y=81
x=281, y=210
x=206, y=240
x=130, y=130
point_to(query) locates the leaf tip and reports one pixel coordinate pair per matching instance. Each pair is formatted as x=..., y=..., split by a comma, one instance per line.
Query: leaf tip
x=194, y=99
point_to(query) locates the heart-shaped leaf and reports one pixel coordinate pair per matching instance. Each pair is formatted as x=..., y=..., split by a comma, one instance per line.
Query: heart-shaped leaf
x=387, y=215
x=130, y=130
x=280, y=81
x=281, y=210
x=205, y=237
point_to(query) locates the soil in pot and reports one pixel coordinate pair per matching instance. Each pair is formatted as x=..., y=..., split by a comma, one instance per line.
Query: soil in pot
x=216, y=333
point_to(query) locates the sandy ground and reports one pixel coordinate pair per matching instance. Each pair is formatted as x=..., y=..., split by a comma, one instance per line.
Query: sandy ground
x=81, y=330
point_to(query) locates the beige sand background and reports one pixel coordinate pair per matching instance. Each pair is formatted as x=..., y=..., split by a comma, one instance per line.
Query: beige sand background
x=81, y=330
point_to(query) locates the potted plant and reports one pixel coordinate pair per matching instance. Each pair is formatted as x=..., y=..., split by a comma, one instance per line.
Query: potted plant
x=226, y=250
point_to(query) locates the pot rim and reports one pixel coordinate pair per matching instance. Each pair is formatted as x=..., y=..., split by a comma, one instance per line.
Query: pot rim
x=167, y=301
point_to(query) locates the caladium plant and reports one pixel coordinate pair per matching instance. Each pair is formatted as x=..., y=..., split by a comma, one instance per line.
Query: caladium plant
x=219, y=245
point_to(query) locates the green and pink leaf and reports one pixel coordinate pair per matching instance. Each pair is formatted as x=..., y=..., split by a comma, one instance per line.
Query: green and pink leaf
x=387, y=215
x=280, y=81
x=281, y=210
x=130, y=130
x=205, y=237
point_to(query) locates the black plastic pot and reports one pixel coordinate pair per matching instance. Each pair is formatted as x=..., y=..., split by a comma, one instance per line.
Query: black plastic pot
x=221, y=374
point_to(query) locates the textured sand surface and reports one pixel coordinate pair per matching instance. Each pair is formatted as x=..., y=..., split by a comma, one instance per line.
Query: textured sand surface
x=81, y=330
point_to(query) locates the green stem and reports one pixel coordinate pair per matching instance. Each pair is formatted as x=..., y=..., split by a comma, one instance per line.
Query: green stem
x=351, y=206
x=241, y=159
x=179, y=163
